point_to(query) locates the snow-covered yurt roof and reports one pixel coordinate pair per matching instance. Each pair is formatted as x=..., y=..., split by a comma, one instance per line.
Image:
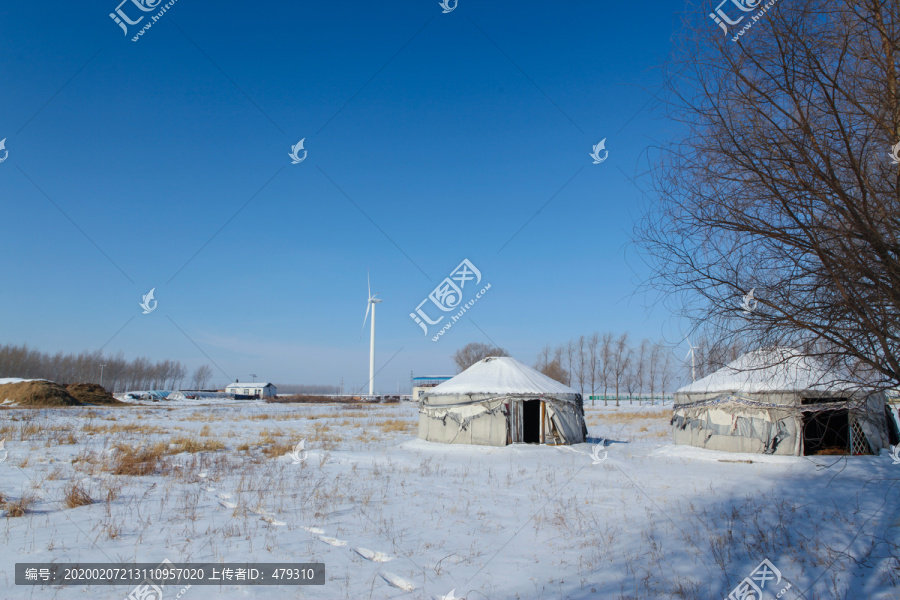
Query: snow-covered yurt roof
x=782, y=370
x=502, y=376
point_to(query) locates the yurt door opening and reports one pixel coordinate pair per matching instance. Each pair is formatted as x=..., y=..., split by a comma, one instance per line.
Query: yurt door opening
x=531, y=421
x=526, y=419
x=826, y=432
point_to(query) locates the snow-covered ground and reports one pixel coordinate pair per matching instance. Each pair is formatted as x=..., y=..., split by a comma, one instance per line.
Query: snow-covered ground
x=392, y=516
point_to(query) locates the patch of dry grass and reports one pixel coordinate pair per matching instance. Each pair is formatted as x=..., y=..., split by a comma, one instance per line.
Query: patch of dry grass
x=92, y=428
x=137, y=461
x=193, y=445
x=626, y=416
x=77, y=496
x=276, y=449
x=395, y=426
x=20, y=507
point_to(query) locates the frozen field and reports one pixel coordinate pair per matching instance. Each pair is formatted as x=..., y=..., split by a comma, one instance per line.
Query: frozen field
x=395, y=517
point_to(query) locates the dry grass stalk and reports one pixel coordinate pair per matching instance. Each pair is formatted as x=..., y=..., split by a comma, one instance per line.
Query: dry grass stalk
x=77, y=496
x=20, y=507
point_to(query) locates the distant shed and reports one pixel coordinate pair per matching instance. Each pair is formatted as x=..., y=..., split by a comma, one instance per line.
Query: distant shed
x=252, y=390
x=423, y=385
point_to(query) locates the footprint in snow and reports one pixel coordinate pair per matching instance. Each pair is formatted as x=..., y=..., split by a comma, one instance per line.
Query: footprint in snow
x=332, y=541
x=315, y=530
x=227, y=504
x=398, y=582
x=373, y=555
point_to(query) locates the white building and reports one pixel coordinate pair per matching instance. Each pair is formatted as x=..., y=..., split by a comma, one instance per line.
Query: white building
x=423, y=385
x=252, y=390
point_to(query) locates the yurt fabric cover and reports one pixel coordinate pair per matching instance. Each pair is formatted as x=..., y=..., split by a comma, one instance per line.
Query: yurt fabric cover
x=472, y=407
x=756, y=404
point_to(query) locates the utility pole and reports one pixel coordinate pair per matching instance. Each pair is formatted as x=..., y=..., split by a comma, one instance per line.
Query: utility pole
x=253, y=375
x=101, y=375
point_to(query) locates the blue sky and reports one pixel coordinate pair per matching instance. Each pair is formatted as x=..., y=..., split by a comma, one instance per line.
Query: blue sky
x=431, y=138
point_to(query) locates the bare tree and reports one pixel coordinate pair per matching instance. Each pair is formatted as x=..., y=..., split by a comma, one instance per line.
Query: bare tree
x=640, y=365
x=778, y=214
x=621, y=361
x=593, y=350
x=550, y=364
x=606, y=362
x=201, y=377
x=654, y=365
x=581, y=361
x=471, y=353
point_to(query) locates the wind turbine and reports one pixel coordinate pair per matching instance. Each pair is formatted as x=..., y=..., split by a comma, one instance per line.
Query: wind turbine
x=371, y=304
x=693, y=361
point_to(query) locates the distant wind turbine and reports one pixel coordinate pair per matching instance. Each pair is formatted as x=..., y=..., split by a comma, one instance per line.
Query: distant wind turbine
x=693, y=361
x=373, y=300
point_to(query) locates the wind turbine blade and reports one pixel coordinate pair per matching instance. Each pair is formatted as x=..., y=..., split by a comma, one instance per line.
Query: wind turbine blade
x=366, y=318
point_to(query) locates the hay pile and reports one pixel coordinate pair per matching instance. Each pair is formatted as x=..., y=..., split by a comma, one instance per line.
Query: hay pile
x=38, y=393
x=48, y=394
x=91, y=393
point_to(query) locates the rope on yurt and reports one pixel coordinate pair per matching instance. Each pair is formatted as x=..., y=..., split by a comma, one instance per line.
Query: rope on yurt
x=798, y=408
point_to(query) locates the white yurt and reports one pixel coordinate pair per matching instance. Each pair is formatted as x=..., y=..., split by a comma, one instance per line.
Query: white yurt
x=780, y=402
x=499, y=401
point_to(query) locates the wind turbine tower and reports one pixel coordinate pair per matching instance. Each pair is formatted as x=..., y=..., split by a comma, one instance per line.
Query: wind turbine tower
x=693, y=359
x=373, y=300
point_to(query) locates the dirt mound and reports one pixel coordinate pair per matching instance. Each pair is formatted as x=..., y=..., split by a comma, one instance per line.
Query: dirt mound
x=91, y=393
x=37, y=394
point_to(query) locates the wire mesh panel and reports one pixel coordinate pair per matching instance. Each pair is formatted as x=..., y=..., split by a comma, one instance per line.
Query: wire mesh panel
x=858, y=442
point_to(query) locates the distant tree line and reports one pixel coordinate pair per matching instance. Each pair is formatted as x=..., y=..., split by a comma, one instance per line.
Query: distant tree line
x=119, y=374
x=611, y=365
x=307, y=390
